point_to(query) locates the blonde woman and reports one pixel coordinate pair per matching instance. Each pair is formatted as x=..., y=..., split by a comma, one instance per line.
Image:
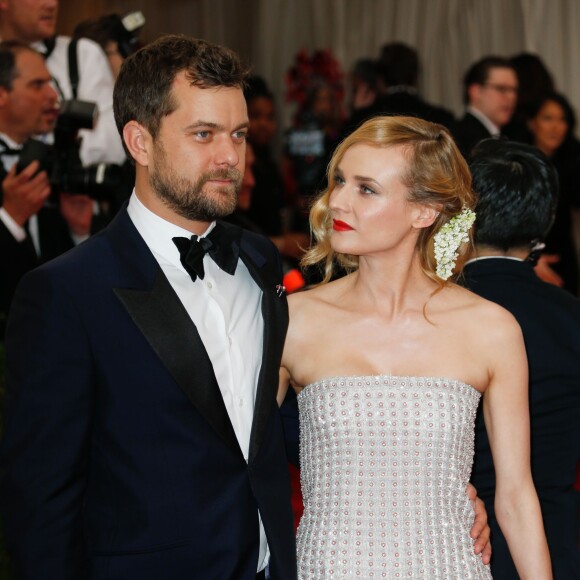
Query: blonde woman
x=390, y=363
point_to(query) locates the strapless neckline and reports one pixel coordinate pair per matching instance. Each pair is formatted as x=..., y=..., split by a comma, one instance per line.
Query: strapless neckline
x=392, y=379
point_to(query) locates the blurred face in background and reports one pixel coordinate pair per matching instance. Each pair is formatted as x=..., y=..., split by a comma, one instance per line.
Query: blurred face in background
x=28, y=20
x=115, y=57
x=30, y=106
x=549, y=127
x=262, y=121
x=497, y=97
x=323, y=105
x=249, y=181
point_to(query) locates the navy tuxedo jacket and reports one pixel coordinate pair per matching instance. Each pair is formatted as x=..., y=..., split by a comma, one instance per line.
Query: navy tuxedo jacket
x=119, y=460
x=550, y=322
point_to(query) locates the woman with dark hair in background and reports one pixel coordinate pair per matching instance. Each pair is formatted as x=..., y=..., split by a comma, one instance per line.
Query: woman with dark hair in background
x=551, y=124
x=534, y=81
x=267, y=205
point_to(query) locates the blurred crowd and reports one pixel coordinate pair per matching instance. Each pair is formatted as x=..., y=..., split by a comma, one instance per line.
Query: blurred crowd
x=64, y=172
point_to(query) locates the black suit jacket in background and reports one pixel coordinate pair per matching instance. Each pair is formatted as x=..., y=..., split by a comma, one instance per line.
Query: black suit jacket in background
x=119, y=460
x=550, y=321
x=401, y=103
x=468, y=132
x=17, y=258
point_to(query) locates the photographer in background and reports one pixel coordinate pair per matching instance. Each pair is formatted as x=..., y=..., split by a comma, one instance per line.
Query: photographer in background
x=34, y=22
x=115, y=34
x=118, y=37
x=31, y=232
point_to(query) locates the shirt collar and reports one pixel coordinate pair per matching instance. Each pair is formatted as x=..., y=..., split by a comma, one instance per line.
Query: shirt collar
x=480, y=258
x=10, y=142
x=39, y=46
x=493, y=129
x=158, y=233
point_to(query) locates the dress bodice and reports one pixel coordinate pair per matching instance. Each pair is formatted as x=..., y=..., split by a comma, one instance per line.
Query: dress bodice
x=385, y=462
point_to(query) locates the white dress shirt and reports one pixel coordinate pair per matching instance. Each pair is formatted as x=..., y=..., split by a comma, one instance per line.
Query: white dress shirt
x=103, y=143
x=226, y=311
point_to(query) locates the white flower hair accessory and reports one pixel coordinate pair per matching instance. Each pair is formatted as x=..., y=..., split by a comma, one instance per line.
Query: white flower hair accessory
x=448, y=239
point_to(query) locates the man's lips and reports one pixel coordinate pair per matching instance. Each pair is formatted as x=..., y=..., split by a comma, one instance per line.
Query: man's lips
x=340, y=226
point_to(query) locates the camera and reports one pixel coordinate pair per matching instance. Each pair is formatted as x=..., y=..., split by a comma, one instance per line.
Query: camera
x=62, y=162
x=126, y=31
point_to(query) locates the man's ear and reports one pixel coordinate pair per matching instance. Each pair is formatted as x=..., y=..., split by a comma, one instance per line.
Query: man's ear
x=425, y=215
x=138, y=142
x=474, y=92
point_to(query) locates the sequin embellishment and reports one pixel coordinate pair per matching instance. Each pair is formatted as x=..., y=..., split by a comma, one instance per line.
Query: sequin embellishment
x=385, y=461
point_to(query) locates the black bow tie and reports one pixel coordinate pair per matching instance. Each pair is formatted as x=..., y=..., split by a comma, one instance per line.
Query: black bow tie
x=222, y=244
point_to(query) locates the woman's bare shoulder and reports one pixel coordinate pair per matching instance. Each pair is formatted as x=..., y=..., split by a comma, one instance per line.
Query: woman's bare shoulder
x=483, y=315
x=317, y=296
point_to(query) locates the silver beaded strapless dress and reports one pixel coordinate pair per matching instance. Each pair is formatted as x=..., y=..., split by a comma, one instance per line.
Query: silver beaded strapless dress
x=384, y=465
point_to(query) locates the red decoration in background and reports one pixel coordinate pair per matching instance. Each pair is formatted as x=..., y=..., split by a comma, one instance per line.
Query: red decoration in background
x=297, y=505
x=293, y=280
x=307, y=70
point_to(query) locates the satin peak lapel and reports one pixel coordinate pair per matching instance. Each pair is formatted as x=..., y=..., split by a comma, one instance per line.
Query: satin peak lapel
x=171, y=333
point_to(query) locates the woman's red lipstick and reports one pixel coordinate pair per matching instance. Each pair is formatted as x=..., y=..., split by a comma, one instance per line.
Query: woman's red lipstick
x=339, y=226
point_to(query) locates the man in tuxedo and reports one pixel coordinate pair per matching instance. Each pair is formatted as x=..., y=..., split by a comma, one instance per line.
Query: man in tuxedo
x=490, y=94
x=142, y=437
x=31, y=232
x=518, y=191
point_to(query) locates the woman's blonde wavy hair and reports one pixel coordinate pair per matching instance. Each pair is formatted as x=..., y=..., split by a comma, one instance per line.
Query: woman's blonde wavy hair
x=436, y=175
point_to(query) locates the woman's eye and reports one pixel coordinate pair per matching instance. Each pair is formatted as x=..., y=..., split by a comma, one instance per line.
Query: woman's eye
x=366, y=189
x=338, y=180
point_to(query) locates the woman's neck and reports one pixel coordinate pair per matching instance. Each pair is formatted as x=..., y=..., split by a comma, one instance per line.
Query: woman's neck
x=392, y=286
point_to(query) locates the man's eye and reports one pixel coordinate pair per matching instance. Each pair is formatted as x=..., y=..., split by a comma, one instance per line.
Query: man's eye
x=202, y=134
x=240, y=135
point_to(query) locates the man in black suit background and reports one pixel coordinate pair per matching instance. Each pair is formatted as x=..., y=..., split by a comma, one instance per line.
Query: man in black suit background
x=490, y=91
x=518, y=191
x=30, y=231
x=398, y=66
x=142, y=437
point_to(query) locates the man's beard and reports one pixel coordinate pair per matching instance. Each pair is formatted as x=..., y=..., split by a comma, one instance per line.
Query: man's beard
x=190, y=199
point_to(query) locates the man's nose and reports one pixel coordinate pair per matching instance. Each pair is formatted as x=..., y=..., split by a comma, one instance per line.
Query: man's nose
x=227, y=152
x=51, y=93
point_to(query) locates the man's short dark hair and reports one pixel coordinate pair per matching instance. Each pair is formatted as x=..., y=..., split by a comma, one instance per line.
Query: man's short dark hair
x=8, y=51
x=478, y=73
x=399, y=64
x=143, y=89
x=368, y=71
x=518, y=193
